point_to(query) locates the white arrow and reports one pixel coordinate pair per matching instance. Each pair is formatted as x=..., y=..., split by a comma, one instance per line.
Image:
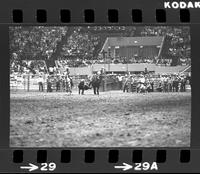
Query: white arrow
x=124, y=167
x=31, y=167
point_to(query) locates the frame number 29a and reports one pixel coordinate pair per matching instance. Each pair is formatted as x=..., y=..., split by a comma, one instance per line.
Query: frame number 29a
x=48, y=166
x=146, y=166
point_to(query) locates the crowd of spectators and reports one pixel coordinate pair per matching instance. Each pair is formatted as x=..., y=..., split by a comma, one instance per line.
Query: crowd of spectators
x=84, y=44
x=33, y=67
x=176, y=46
x=175, y=51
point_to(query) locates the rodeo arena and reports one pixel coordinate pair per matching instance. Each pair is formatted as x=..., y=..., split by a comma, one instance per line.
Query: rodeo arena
x=101, y=87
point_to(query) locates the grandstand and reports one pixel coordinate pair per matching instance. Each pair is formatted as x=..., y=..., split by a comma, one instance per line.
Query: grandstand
x=83, y=47
x=133, y=47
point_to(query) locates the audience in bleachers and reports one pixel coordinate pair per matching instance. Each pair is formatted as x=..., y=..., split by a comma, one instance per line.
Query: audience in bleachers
x=83, y=46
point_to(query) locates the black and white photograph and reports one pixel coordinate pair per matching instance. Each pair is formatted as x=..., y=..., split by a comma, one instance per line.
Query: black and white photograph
x=100, y=86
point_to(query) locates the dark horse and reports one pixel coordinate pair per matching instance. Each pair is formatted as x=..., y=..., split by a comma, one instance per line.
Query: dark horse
x=96, y=82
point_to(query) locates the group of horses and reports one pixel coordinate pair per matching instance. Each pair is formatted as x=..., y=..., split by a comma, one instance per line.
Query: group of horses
x=94, y=83
x=66, y=84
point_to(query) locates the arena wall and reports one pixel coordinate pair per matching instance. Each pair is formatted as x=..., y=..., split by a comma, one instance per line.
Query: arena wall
x=121, y=68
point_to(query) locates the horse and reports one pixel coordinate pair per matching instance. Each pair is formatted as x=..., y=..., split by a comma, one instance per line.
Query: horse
x=96, y=82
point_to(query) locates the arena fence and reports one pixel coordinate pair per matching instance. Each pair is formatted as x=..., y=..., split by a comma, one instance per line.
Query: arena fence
x=30, y=83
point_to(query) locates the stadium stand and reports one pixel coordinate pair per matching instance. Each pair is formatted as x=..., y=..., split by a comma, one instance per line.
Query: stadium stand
x=81, y=46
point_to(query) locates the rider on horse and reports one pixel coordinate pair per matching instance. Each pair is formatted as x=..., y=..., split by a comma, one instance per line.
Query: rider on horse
x=95, y=82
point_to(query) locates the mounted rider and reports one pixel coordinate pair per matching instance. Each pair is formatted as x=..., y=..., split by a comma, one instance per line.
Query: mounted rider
x=96, y=81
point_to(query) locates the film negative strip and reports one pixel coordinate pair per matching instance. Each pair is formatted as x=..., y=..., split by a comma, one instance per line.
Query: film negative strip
x=99, y=86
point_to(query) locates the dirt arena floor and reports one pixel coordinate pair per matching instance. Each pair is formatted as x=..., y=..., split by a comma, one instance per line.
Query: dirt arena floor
x=112, y=119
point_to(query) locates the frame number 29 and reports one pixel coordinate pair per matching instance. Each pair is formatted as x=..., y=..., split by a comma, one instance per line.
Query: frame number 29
x=48, y=166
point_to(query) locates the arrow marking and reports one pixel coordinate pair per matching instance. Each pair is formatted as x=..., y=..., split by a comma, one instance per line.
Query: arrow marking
x=124, y=167
x=30, y=168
